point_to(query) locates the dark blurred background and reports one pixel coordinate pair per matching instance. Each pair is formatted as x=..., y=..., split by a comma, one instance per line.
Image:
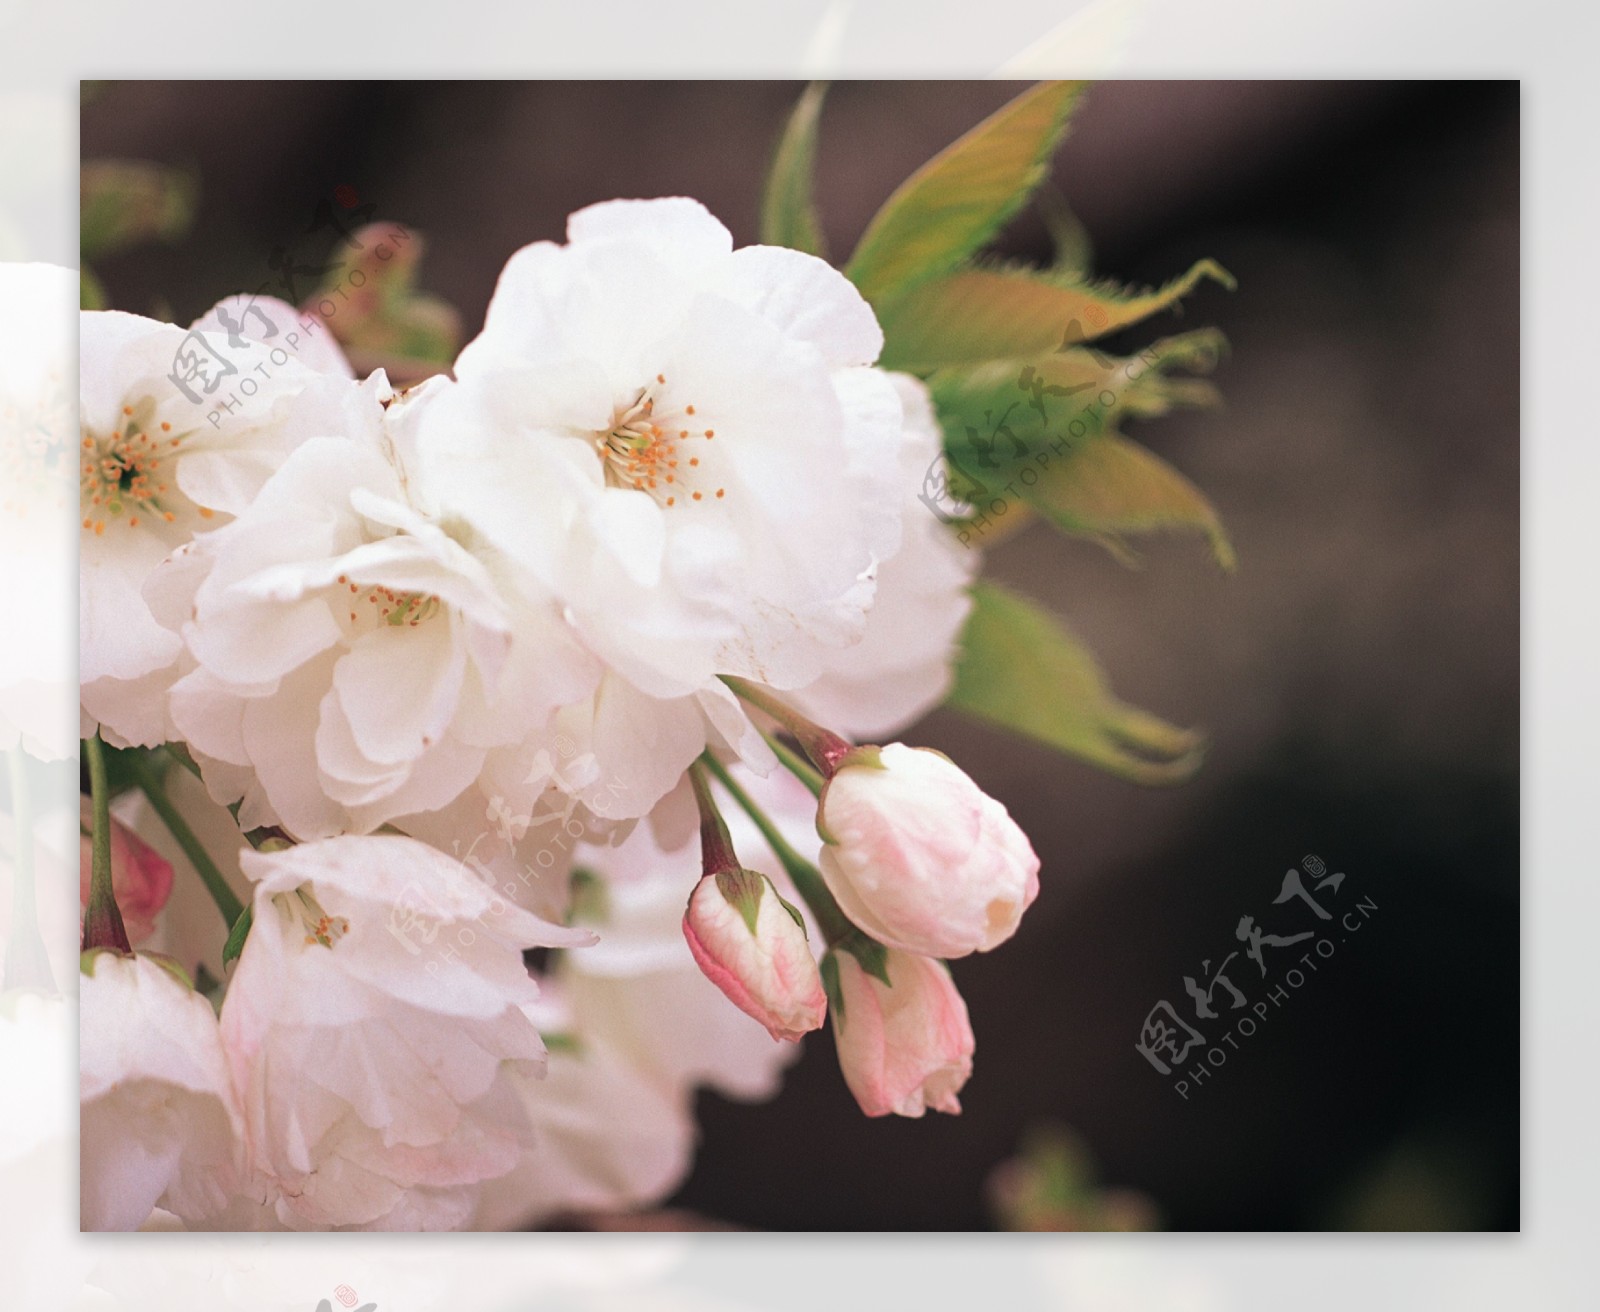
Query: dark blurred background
x=1358, y=675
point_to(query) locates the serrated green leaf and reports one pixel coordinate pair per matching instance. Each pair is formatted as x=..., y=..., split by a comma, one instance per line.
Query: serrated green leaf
x=1006, y=313
x=1022, y=670
x=1110, y=487
x=1002, y=415
x=124, y=202
x=955, y=202
x=788, y=205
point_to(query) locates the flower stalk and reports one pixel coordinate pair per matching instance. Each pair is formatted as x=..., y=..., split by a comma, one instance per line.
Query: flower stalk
x=102, y=920
x=826, y=748
x=795, y=764
x=716, y=844
x=805, y=877
x=150, y=784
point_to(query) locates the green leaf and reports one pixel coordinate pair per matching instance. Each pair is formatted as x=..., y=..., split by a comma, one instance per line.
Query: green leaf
x=1111, y=486
x=1024, y=671
x=788, y=207
x=371, y=305
x=122, y=203
x=1004, y=414
x=236, y=937
x=1006, y=313
x=955, y=202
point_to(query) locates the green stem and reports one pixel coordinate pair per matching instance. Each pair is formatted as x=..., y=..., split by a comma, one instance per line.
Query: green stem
x=27, y=964
x=102, y=920
x=179, y=753
x=805, y=877
x=823, y=746
x=149, y=781
x=795, y=764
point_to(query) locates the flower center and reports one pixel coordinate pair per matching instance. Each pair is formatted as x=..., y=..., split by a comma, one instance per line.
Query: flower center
x=302, y=907
x=386, y=606
x=129, y=472
x=651, y=448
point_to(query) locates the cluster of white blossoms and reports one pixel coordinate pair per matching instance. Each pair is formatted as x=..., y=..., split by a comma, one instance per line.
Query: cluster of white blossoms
x=465, y=660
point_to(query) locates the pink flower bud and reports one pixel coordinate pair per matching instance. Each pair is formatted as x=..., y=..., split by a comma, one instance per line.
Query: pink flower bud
x=904, y=1046
x=920, y=857
x=140, y=877
x=752, y=945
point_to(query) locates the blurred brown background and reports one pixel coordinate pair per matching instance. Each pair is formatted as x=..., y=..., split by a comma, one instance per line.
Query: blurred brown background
x=1358, y=675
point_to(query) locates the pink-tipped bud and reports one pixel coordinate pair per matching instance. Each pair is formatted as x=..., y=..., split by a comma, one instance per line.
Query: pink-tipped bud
x=905, y=1045
x=920, y=857
x=752, y=945
x=140, y=877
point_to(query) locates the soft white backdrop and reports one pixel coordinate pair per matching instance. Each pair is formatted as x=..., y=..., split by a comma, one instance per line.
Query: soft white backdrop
x=46, y=47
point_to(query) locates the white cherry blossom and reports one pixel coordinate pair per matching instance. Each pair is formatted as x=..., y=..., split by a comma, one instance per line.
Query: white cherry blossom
x=903, y=665
x=356, y=657
x=178, y=430
x=688, y=444
x=159, y=1119
x=374, y=1013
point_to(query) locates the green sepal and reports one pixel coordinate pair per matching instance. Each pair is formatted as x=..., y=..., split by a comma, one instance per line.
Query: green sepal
x=173, y=967
x=236, y=937
x=828, y=968
x=88, y=957
x=742, y=890
x=867, y=755
x=870, y=955
x=794, y=913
